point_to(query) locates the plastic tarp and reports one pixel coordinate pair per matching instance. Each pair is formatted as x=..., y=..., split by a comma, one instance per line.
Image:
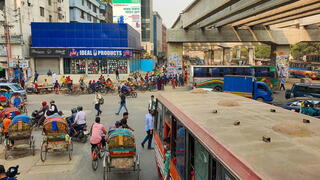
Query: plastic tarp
x=23, y=118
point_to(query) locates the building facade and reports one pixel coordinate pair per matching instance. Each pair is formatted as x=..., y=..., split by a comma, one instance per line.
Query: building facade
x=164, y=39
x=147, y=25
x=84, y=48
x=157, y=34
x=95, y=11
x=15, y=33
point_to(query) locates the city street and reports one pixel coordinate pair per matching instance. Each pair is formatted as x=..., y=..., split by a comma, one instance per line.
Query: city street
x=58, y=166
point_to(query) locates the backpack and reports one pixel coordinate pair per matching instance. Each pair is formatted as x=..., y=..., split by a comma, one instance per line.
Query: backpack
x=101, y=100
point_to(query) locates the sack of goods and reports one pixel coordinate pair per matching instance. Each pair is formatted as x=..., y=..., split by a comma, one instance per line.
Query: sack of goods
x=101, y=101
x=121, y=143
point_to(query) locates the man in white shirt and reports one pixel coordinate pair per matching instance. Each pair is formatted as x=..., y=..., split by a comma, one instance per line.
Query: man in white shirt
x=152, y=104
x=148, y=127
x=80, y=120
x=54, y=77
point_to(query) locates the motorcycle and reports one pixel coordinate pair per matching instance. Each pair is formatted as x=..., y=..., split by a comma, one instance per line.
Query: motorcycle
x=35, y=118
x=82, y=135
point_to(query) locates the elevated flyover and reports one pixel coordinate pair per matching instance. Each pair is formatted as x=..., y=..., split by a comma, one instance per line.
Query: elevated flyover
x=278, y=23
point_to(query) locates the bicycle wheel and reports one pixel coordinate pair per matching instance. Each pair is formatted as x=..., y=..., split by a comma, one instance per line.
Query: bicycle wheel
x=44, y=151
x=95, y=159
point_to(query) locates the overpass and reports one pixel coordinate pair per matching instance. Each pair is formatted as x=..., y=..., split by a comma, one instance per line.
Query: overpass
x=278, y=23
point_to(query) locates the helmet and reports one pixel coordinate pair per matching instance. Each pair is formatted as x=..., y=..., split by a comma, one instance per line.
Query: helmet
x=44, y=103
x=1, y=107
x=73, y=110
x=79, y=108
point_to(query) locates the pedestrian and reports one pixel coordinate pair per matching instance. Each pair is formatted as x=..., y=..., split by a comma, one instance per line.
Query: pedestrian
x=49, y=73
x=124, y=121
x=36, y=76
x=148, y=127
x=117, y=74
x=56, y=87
x=282, y=83
x=98, y=100
x=173, y=82
x=122, y=102
x=54, y=77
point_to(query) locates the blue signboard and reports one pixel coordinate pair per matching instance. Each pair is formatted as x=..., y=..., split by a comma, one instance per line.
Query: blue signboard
x=93, y=52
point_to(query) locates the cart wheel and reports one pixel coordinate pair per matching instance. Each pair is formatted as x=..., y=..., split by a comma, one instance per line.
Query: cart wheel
x=44, y=151
x=70, y=149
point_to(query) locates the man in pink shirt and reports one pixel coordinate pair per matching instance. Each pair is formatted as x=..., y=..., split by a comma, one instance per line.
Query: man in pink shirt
x=97, y=134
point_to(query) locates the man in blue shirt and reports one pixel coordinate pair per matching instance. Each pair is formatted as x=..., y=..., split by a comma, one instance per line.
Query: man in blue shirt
x=148, y=127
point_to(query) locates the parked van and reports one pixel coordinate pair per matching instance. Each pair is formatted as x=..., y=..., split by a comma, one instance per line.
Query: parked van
x=303, y=90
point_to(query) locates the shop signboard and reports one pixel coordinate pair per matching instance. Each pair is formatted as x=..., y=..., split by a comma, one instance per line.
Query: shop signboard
x=48, y=52
x=127, y=11
x=14, y=39
x=92, y=52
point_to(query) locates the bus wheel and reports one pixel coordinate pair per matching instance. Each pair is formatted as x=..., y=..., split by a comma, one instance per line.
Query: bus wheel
x=218, y=89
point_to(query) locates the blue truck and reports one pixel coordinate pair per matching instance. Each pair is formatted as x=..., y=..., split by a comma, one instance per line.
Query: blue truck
x=247, y=86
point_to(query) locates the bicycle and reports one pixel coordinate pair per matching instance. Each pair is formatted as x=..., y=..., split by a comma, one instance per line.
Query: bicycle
x=96, y=154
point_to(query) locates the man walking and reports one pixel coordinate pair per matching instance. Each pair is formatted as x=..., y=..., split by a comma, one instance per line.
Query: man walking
x=148, y=127
x=98, y=100
x=122, y=102
x=36, y=76
x=152, y=104
x=282, y=83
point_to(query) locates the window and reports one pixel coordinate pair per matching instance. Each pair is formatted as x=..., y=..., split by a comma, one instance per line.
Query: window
x=263, y=72
x=89, y=4
x=16, y=87
x=49, y=2
x=60, y=16
x=159, y=121
x=122, y=65
x=82, y=2
x=104, y=66
x=94, y=19
x=42, y=11
x=89, y=17
x=201, y=161
x=260, y=86
x=78, y=66
x=82, y=14
x=213, y=168
x=94, y=9
x=180, y=148
x=93, y=66
x=50, y=18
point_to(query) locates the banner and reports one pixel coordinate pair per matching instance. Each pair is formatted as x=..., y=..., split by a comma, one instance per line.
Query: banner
x=90, y=52
x=127, y=11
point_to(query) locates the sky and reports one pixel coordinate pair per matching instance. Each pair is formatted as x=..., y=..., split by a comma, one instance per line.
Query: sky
x=169, y=9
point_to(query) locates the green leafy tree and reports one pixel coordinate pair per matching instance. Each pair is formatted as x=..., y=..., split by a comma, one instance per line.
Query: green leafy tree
x=263, y=51
x=304, y=48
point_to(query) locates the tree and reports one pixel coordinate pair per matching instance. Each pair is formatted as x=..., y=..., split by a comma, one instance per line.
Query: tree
x=263, y=51
x=304, y=48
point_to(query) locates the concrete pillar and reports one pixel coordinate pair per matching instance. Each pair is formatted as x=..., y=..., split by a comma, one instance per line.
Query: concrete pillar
x=212, y=57
x=61, y=66
x=280, y=53
x=175, y=52
x=226, y=55
x=251, y=56
x=238, y=50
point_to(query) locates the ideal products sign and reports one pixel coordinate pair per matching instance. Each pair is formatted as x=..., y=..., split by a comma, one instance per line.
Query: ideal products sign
x=87, y=52
x=127, y=11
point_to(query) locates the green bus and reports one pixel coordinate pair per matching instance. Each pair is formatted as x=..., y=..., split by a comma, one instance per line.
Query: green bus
x=202, y=76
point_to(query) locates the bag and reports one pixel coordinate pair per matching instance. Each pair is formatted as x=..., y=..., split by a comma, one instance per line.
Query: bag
x=101, y=100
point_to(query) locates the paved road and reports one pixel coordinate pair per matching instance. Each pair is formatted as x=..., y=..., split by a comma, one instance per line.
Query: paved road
x=58, y=166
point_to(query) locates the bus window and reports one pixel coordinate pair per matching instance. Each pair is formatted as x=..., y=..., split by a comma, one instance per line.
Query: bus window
x=201, y=162
x=200, y=72
x=179, y=147
x=263, y=72
x=159, y=121
x=213, y=168
x=227, y=71
x=167, y=116
x=216, y=72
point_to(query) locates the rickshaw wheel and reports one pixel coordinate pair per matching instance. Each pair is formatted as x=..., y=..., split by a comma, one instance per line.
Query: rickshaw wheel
x=135, y=94
x=44, y=151
x=70, y=149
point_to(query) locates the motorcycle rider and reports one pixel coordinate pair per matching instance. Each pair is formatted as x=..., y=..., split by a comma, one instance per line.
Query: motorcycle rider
x=4, y=174
x=71, y=118
x=53, y=108
x=42, y=113
x=80, y=121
